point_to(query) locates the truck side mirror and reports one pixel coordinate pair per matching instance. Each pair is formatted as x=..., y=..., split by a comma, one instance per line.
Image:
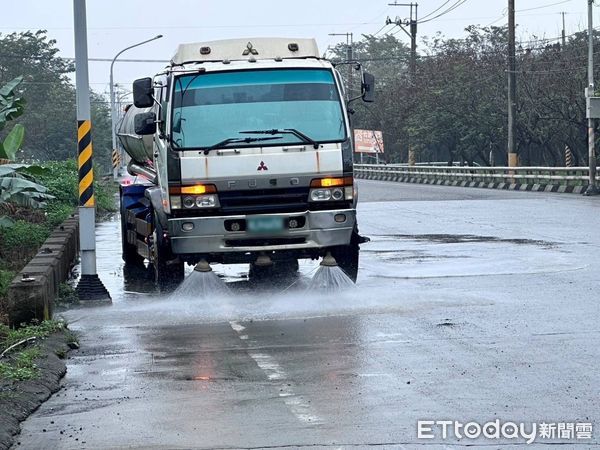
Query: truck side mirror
x=368, y=88
x=143, y=93
x=145, y=123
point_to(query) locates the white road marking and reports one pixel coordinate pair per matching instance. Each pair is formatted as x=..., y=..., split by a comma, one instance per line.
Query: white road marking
x=370, y=375
x=236, y=326
x=299, y=407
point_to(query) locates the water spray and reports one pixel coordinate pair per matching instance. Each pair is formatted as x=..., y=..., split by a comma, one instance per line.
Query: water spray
x=329, y=278
x=201, y=283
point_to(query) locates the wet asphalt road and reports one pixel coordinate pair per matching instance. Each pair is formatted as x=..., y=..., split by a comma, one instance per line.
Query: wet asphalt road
x=470, y=305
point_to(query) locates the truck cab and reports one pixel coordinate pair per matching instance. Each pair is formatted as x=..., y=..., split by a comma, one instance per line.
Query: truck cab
x=245, y=150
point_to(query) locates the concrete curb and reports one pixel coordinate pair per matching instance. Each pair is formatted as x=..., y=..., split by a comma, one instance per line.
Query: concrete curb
x=32, y=293
x=558, y=188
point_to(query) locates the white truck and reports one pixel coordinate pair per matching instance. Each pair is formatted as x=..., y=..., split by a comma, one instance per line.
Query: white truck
x=243, y=153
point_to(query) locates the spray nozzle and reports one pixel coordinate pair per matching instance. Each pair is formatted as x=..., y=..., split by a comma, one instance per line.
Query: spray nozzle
x=203, y=266
x=329, y=261
x=263, y=261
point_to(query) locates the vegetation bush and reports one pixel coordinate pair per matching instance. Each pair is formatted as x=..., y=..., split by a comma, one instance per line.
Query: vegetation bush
x=20, y=242
x=57, y=213
x=6, y=277
x=61, y=179
x=62, y=182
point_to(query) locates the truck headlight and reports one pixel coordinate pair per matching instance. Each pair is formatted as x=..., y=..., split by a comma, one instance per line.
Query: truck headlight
x=337, y=194
x=206, y=201
x=331, y=189
x=194, y=196
x=189, y=202
x=320, y=195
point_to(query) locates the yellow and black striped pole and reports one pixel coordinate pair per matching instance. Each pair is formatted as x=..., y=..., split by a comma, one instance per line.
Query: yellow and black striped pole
x=568, y=157
x=84, y=163
x=116, y=159
x=89, y=287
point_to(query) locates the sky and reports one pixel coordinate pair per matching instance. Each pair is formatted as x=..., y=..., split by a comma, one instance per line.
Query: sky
x=114, y=25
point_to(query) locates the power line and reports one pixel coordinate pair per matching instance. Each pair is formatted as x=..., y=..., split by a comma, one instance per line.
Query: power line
x=203, y=27
x=544, y=6
x=450, y=9
x=69, y=58
x=380, y=30
x=436, y=10
x=504, y=12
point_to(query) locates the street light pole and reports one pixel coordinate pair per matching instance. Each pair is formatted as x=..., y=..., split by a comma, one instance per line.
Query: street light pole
x=513, y=159
x=113, y=112
x=589, y=92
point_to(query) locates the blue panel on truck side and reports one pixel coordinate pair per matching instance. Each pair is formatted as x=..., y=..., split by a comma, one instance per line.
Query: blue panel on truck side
x=132, y=194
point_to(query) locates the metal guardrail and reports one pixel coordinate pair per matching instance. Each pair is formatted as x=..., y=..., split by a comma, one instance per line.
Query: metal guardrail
x=570, y=176
x=547, y=179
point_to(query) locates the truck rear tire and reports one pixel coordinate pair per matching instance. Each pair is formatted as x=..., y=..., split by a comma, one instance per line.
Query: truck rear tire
x=129, y=252
x=168, y=270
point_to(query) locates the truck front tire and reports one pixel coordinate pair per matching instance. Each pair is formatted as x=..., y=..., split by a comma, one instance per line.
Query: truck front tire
x=168, y=270
x=346, y=256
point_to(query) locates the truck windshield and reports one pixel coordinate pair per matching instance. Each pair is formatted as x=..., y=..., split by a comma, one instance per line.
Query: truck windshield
x=209, y=108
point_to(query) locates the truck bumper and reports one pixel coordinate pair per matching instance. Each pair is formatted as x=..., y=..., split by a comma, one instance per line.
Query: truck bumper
x=204, y=235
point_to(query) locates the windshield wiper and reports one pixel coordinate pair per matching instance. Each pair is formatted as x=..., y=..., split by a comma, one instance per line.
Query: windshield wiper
x=298, y=134
x=228, y=141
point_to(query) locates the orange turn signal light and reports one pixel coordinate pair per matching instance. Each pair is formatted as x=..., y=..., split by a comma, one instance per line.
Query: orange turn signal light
x=331, y=182
x=196, y=189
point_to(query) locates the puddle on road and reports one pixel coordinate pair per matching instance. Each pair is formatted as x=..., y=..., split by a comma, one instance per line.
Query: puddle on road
x=406, y=256
x=467, y=238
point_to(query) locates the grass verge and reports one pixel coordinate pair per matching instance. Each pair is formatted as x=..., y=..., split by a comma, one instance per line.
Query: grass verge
x=19, y=362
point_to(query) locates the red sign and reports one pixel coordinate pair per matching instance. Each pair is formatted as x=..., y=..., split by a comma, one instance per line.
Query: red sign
x=368, y=141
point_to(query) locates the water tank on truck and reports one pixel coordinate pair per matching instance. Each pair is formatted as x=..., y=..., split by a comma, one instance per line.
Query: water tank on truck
x=139, y=148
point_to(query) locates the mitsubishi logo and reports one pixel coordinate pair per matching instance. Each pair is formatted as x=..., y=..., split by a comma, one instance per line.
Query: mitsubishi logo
x=250, y=49
x=262, y=166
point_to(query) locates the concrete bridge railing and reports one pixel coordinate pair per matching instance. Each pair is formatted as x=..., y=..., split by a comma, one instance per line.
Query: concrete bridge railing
x=549, y=179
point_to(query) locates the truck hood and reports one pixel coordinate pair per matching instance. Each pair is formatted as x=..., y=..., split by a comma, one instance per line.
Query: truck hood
x=242, y=163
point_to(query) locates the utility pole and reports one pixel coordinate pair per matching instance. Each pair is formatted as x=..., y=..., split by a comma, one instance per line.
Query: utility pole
x=349, y=57
x=564, y=36
x=412, y=34
x=512, y=86
x=89, y=287
x=589, y=92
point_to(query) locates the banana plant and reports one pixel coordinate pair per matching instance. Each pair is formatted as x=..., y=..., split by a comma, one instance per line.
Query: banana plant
x=18, y=187
x=11, y=107
x=17, y=182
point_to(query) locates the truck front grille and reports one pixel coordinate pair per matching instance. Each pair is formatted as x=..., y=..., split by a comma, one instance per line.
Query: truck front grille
x=262, y=201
